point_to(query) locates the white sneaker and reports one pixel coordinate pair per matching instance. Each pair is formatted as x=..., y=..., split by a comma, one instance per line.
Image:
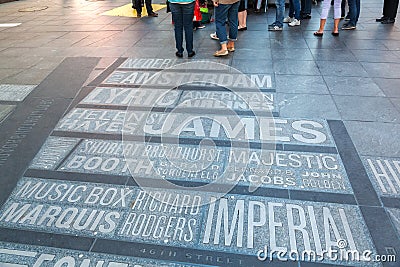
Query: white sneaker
x=214, y=36
x=295, y=22
x=287, y=20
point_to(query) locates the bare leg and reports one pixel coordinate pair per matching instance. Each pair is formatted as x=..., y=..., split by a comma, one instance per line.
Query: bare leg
x=241, y=19
x=223, y=47
x=336, y=25
x=321, y=25
x=230, y=45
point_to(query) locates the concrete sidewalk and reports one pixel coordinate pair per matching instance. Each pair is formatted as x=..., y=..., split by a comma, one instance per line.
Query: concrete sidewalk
x=75, y=161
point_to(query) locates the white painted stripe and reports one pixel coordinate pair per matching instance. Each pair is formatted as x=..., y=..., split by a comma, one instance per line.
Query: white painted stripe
x=17, y=252
x=5, y=264
x=9, y=24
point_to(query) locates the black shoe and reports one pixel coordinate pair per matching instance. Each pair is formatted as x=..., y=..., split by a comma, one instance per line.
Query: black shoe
x=179, y=54
x=348, y=26
x=191, y=54
x=242, y=29
x=381, y=19
x=388, y=21
x=306, y=16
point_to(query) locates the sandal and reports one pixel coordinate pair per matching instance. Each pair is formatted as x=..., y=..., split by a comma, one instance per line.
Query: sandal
x=319, y=34
x=231, y=49
x=221, y=53
x=335, y=33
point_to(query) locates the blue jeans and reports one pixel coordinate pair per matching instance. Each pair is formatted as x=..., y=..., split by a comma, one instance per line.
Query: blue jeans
x=223, y=12
x=280, y=10
x=294, y=9
x=306, y=7
x=354, y=11
x=182, y=15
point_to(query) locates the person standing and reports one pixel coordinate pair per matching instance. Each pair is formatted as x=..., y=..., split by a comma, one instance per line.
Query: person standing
x=324, y=14
x=354, y=14
x=280, y=9
x=305, y=12
x=242, y=13
x=137, y=4
x=226, y=10
x=182, y=16
x=389, y=12
x=294, y=13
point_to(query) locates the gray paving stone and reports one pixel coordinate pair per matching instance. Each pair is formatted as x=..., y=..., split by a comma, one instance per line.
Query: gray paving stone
x=376, y=56
x=347, y=69
x=382, y=70
x=247, y=53
x=323, y=43
x=28, y=76
x=375, y=138
x=296, y=67
x=292, y=54
x=396, y=102
x=251, y=66
x=4, y=73
x=333, y=55
x=389, y=86
x=307, y=106
x=5, y=110
x=352, y=86
x=300, y=84
x=368, y=109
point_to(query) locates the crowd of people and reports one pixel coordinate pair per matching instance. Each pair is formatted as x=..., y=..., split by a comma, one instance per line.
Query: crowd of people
x=234, y=14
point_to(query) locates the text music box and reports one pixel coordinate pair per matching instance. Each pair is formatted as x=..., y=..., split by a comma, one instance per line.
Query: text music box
x=18, y=255
x=183, y=125
x=384, y=174
x=234, y=223
x=281, y=169
x=181, y=98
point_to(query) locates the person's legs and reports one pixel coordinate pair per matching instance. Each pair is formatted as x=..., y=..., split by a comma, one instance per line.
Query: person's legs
x=324, y=12
x=258, y=5
x=305, y=9
x=296, y=7
x=358, y=9
x=187, y=17
x=291, y=8
x=138, y=6
x=177, y=17
x=221, y=13
x=280, y=10
x=149, y=8
x=352, y=15
x=233, y=22
x=337, y=10
x=242, y=15
x=322, y=23
x=343, y=8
